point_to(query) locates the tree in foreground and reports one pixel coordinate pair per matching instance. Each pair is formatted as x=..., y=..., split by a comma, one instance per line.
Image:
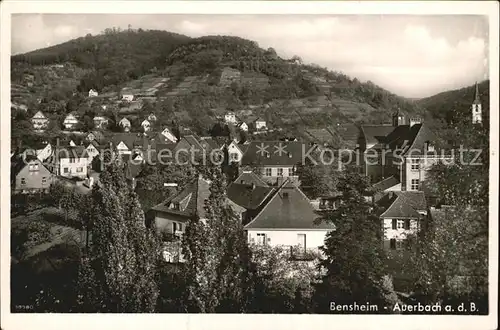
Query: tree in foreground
x=217, y=256
x=449, y=263
x=119, y=272
x=354, y=264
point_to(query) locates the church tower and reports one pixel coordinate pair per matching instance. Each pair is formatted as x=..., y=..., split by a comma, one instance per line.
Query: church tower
x=477, y=117
x=398, y=119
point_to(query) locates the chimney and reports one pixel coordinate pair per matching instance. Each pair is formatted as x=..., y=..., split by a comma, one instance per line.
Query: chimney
x=253, y=186
x=57, y=142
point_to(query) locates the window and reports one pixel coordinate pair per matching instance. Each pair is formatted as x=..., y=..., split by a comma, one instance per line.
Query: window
x=415, y=164
x=415, y=184
x=261, y=239
x=290, y=172
x=66, y=170
x=33, y=167
x=397, y=244
x=400, y=223
x=234, y=156
x=71, y=160
x=23, y=181
x=79, y=169
x=280, y=172
x=44, y=180
x=301, y=242
x=269, y=171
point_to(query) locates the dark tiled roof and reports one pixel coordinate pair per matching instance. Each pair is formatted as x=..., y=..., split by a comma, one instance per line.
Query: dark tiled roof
x=131, y=140
x=71, y=152
x=99, y=136
x=249, y=178
x=191, y=139
x=191, y=200
x=385, y=184
x=289, y=208
x=248, y=196
x=209, y=143
x=268, y=153
x=376, y=134
x=403, y=204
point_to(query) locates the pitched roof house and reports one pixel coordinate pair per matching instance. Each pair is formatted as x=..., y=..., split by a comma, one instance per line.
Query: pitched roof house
x=71, y=161
x=288, y=219
x=30, y=175
x=403, y=213
x=100, y=121
x=413, y=145
x=125, y=124
x=71, y=121
x=39, y=121
x=276, y=159
x=172, y=215
x=167, y=133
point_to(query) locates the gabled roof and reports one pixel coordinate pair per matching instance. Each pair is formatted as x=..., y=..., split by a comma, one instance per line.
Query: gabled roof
x=99, y=136
x=376, y=134
x=192, y=141
x=209, y=143
x=250, y=178
x=248, y=196
x=289, y=208
x=189, y=202
x=278, y=153
x=403, y=204
x=131, y=140
x=70, y=152
x=39, y=115
x=385, y=184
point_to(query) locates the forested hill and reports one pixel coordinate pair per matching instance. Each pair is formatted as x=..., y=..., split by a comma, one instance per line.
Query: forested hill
x=455, y=106
x=286, y=92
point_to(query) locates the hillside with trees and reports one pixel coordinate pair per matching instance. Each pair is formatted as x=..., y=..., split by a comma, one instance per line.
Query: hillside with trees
x=285, y=92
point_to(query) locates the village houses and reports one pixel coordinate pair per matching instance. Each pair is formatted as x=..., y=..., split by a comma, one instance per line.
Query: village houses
x=93, y=93
x=100, y=121
x=124, y=123
x=230, y=117
x=39, y=121
x=275, y=160
x=260, y=124
x=146, y=125
x=29, y=175
x=169, y=136
x=70, y=121
x=235, y=151
x=69, y=162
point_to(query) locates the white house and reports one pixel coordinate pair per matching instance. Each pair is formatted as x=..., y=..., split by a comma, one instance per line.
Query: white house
x=71, y=121
x=243, y=126
x=92, y=152
x=405, y=213
x=146, y=125
x=169, y=135
x=70, y=162
x=72, y=143
x=93, y=93
x=152, y=117
x=288, y=220
x=235, y=152
x=39, y=121
x=100, y=121
x=260, y=124
x=124, y=124
x=43, y=153
x=128, y=97
x=230, y=118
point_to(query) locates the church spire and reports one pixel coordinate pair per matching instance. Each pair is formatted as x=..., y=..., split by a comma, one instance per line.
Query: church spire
x=477, y=100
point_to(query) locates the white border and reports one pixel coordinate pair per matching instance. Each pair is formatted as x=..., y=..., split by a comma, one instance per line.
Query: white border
x=80, y=321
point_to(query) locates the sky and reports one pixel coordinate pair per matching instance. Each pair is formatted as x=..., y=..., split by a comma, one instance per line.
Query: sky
x=412, y=56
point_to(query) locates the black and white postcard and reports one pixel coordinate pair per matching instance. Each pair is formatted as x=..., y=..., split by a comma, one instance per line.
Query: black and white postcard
x=226, y=164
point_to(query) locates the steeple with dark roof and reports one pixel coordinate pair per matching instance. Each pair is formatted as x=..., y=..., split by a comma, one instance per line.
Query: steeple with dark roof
x=398, y=118
x=477, y=117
